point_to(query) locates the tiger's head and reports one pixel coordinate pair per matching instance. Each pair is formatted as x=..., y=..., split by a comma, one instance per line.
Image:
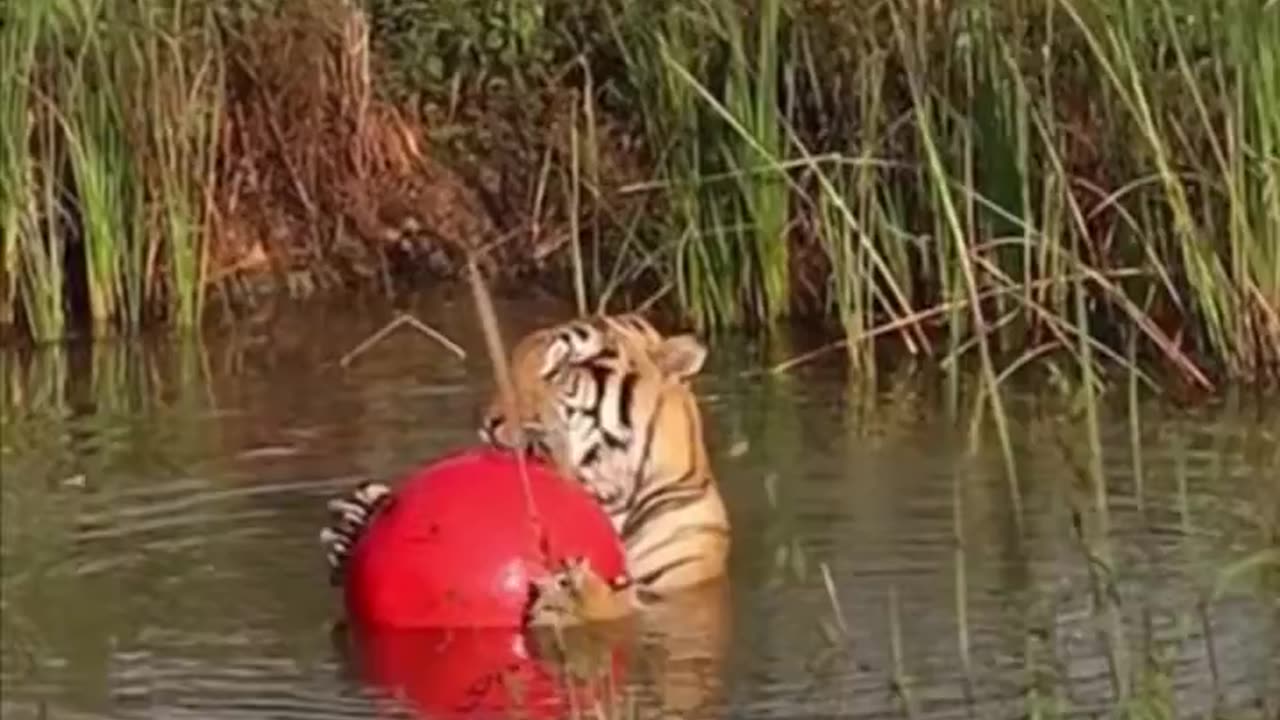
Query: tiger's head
x=609, y=400
x=529, y=358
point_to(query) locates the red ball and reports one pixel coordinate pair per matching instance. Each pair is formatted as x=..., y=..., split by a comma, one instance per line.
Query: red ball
x=457, y=546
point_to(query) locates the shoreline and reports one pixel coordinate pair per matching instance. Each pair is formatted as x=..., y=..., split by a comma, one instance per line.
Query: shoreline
x=793, y=346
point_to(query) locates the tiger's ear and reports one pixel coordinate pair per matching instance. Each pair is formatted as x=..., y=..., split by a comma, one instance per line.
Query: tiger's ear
x=680, y=355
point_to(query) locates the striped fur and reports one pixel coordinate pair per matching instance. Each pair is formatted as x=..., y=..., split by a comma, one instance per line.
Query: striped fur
x=530, y=359
x=609, y=400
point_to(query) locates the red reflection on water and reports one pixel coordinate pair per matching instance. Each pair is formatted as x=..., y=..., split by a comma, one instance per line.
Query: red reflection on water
x=480, y=672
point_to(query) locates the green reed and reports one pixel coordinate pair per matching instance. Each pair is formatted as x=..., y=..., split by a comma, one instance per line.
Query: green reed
x=17, y=50
x=977, y=169
x=947, y=176
x=110, y=124
x=1206, y=125
x=32, y=265
x=187, y=90
x=718, y=147
x=90, y=107
x=761, y=210
x=952, y=224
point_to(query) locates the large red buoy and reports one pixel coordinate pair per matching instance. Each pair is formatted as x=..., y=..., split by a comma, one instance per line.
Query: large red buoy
x=456, y=545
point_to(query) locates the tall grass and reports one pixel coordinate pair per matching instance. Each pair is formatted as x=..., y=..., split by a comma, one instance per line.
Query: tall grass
x=17, y=46
x=731, y=202
x=1216, y=116
x=189, y=94
x=32, y=263
x=951, y=176
x=109, y=122
x=103, y=175
x=972, y=169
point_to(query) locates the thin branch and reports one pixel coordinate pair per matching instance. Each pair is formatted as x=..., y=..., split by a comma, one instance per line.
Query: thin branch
x=403, y=319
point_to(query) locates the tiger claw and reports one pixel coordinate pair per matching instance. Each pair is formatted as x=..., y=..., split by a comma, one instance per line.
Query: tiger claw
x=351, y=516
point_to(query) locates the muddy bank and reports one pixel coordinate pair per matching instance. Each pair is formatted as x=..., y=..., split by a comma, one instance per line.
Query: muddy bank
x=264, y=153
x=324, y=182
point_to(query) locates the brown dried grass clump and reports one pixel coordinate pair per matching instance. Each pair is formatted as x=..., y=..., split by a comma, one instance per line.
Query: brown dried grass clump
x=318, y=179
x=519, y=149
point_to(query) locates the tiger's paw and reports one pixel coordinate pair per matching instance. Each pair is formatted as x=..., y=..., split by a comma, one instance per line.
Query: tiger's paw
x=575, y=595
x=350, y=515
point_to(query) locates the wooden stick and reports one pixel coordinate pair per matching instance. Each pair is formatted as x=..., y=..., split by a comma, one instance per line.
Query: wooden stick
x=403, y=319
x=506, y=390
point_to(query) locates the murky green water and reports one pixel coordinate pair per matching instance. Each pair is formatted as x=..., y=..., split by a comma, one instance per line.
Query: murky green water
x=161, y=505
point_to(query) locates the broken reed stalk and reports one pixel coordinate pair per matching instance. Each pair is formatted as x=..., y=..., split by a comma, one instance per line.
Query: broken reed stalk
x=900, y=682
x=493, y=344
x=506, y=390
x=402, y=319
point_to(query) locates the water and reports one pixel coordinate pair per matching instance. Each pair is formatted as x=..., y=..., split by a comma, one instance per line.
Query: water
x=161, y=504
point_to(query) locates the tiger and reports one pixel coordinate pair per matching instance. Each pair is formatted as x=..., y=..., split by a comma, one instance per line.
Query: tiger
x=611, y=402
x=608, y=400
x=352, y=512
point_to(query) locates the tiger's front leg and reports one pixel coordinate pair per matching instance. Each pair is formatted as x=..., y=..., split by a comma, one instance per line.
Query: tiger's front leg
x=576, y=594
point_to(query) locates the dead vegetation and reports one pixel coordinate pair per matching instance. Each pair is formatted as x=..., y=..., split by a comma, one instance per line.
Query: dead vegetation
x=321, y=182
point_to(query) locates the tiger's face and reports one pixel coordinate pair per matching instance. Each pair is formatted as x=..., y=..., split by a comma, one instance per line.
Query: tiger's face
x=621, y=417
x=609, y=401
x=530, y=364
x=612, y=405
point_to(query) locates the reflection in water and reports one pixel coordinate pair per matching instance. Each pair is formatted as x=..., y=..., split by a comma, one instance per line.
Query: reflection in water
x=161, y=503
x=683, y=647
x=665, y=664
x=475, y=673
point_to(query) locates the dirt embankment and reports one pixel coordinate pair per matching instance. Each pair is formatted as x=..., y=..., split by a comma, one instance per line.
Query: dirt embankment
x=320, y=182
